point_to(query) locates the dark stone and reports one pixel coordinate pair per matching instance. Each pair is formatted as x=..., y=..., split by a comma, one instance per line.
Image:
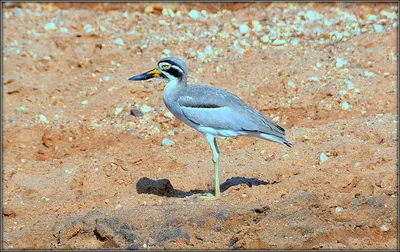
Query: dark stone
x=167, y=235
x=136, y=112
x=132, y=247
x=161, y=187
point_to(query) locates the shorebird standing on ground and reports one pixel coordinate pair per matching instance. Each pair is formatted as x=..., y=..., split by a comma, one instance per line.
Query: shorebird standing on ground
x=212, y=111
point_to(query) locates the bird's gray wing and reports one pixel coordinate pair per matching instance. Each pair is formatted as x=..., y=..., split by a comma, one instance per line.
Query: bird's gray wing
x=219, y=109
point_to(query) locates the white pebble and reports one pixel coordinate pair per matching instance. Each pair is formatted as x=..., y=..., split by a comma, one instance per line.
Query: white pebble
x=291, y=84
x=167, y=141
x=167, y=52
x=208, y=50
x=322, y=158
x=64, y=30
x=50, y=26
x=194, y=14
x=368, y=74
x=278, y=42
x=126, y=14
x=295, y=41
x=243, y=28
x=43, y=118
x=339, y=209
x=384, y=228
x=118, y=41
x=378, y=28
x=349, y=84
x=169, y=115
x=144, y=109
x=345, y=105
x=340, y=62
x=87, y=28
x=84, y=102
x=342, y=92
x=265, y=39
x=118, y=110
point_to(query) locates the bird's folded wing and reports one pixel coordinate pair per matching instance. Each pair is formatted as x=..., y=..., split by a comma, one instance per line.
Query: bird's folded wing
x=214, y=114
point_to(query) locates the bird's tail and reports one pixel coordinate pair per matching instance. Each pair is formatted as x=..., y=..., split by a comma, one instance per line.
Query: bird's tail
x=276, y=139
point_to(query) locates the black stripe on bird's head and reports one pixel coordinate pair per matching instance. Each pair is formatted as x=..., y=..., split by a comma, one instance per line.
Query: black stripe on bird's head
x=172, y=68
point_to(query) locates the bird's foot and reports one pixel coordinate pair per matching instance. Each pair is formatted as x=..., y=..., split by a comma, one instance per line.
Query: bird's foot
x=209, y=196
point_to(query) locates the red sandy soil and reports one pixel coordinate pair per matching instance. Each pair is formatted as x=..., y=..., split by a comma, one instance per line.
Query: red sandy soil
x=75, y=159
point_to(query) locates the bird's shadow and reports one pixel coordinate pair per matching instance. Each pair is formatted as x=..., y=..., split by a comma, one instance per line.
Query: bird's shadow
x=163, y=187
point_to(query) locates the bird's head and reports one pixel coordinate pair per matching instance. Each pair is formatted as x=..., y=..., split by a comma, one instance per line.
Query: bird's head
x=173, y=69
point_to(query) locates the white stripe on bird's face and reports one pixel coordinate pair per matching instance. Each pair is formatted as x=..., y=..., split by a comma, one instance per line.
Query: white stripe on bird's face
x=171, y=72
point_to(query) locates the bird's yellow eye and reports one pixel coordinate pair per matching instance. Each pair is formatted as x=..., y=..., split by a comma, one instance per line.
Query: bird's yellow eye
x=165, y=66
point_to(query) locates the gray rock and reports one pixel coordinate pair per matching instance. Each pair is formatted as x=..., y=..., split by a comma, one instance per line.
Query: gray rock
x=136, y=112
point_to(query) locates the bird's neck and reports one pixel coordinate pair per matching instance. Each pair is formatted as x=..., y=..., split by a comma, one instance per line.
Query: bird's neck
x=173, y=87
x=172, y=93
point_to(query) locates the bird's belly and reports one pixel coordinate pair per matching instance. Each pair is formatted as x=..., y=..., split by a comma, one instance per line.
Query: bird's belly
x=216, y=132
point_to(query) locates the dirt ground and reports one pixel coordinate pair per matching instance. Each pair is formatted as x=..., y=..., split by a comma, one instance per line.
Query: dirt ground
x=91, y=160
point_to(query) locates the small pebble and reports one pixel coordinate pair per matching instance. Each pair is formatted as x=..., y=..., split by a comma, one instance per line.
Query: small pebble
x=167, y=52
x=278, y=42
x=265, y=39
x=148, y=9
x=118, y=110
x=118, y=206
x=136, y=112
x=243, y=28
x=291, y=84
x=345, y=105
x=169, y=115
x=384, y=228
x=368, y=74
x=43, y=118
x=21, y=109
x=378, y=28
x=119, y=41
x=342, y=92
x=208, y=50
x=167, y=141
x=339, y=209
x=87, y=28
x=194, y=14
x=349, y=84
x=145, y=109
x=322, y=158
x=64, y=30
x=84, y=102
x=50, y=26
x=340, y=62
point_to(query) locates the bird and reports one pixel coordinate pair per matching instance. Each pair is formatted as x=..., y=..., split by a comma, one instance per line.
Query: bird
x=212, y=111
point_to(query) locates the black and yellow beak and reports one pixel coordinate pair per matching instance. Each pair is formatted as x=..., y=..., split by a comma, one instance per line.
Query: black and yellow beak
x=147, y=75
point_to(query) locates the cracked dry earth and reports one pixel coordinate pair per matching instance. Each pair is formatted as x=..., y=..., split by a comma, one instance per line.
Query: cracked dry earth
x=81, y=171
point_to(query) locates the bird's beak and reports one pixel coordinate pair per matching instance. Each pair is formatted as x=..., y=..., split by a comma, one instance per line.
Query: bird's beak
x=145, y=76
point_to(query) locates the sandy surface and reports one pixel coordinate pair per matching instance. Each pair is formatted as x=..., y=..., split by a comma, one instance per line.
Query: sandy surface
x=81, y=172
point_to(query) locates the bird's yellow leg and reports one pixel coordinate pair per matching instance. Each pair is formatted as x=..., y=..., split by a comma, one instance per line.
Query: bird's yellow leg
x=211, y=140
